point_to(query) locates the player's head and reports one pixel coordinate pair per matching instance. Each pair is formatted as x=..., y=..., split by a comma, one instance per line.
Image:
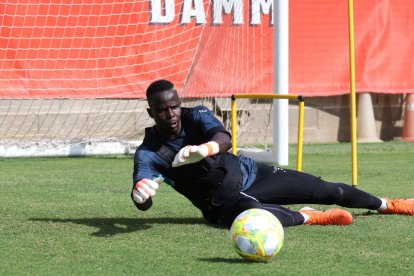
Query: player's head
x=164, y=108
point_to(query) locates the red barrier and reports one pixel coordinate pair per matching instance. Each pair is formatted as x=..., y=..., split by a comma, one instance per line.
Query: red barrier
x=114, y=49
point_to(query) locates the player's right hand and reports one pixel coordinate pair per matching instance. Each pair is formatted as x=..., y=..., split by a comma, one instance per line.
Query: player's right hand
x=143, y=190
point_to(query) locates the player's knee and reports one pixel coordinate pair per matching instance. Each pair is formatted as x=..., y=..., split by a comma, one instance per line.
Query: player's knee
x=329, y=194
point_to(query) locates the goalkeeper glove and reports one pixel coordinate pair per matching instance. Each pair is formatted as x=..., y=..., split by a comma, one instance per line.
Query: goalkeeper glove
x=193, y=154
x=143, y=190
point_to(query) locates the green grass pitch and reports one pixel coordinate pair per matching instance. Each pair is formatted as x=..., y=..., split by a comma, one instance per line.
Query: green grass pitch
x=74, y=216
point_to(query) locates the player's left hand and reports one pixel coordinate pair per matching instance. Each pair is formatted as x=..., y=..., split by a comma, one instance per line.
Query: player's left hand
x=193, y=154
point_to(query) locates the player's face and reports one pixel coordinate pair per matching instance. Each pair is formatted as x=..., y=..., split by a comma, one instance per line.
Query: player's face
x=165, y=109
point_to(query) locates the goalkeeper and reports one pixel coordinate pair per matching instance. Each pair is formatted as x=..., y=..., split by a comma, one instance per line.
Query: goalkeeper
x=188, y=149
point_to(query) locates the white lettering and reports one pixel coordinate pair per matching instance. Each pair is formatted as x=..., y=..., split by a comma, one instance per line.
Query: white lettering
x=197, y=12
x=157, y=15
x=164, y=11
x=227, y=6
x=261, y=5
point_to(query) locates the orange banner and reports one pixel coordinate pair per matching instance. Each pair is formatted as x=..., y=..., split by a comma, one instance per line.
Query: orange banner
x=114, y=49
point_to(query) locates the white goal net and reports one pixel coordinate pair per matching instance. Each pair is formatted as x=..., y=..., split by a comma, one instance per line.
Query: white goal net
x=73, y=74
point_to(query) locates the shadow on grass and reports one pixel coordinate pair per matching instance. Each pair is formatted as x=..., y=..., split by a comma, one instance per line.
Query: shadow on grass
x=113, y=226
x=225, y=260
x=367, y=214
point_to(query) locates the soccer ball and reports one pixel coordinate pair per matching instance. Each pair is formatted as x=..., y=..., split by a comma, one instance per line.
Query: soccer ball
x=256, y=235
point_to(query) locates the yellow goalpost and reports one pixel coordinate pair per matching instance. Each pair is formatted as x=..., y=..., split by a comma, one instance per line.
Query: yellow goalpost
x=301, y=101
x=301, y=106
x=352, y=92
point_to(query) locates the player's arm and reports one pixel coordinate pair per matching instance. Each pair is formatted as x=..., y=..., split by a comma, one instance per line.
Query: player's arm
x=223, y=140
x=219, y=143
x=210, y=126
x=146, y=179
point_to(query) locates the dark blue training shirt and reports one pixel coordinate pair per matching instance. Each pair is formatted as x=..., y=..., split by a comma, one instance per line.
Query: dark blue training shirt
x=198, y=128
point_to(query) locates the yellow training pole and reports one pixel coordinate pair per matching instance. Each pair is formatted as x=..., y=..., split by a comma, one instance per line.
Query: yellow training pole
x=233, y=126
x=300, y=134
x=352, y=94
x=265, y=96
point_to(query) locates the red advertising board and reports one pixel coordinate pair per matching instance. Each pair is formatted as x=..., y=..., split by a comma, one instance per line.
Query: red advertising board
x=114, y=49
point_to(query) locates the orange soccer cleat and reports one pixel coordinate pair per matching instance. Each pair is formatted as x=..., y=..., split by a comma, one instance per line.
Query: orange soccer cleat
x=328, y=217
x=399, y=206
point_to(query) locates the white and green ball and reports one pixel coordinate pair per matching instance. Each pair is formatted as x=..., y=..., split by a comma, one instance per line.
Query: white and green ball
x=256, y=235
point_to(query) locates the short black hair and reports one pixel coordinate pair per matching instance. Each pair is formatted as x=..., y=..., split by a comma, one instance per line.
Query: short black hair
x=159, y=86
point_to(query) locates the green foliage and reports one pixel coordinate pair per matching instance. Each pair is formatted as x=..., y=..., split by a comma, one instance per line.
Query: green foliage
x=71, y=216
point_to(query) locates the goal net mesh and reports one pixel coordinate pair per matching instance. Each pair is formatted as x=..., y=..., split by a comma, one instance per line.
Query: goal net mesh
x=73, y=74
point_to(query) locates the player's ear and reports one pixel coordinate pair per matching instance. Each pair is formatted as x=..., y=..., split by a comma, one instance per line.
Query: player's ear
x=150, y=112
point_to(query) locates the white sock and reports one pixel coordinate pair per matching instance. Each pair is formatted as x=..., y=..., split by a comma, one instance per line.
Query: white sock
x=305, y=216
x=383, y=206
